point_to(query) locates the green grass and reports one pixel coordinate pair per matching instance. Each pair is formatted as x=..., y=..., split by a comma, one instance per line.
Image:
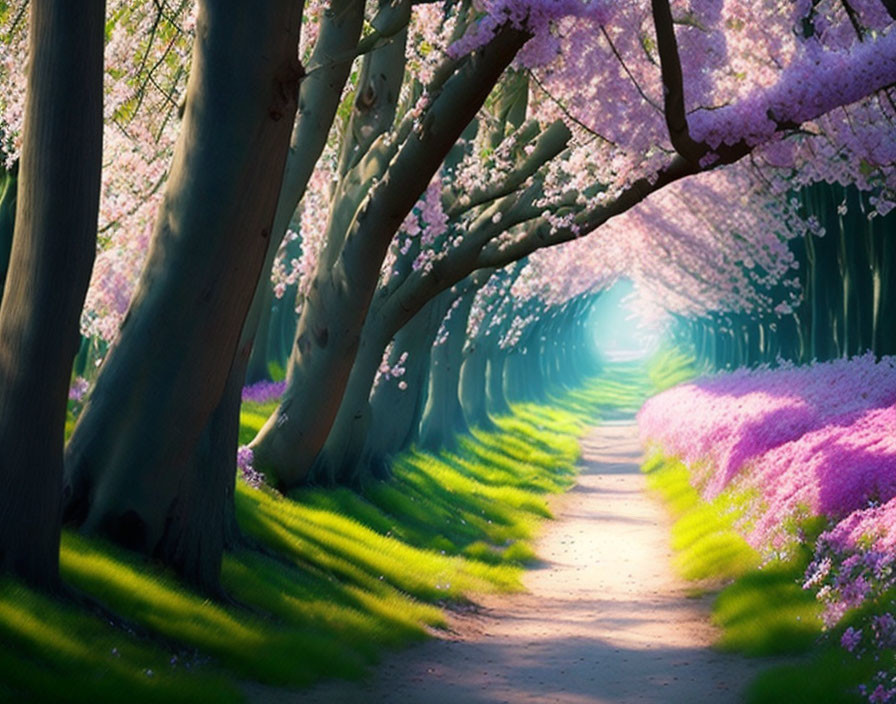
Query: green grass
x=342, y=577
x=669, y=367
x=243, y=641
x=830, y=676
x=55, y=651
x=252, y=417
x=276, y=371
x=706, y=543
x=767, y=612
x=762, y=610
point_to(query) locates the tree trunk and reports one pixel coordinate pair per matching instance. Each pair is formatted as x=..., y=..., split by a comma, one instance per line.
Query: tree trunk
x=350, y=451
x=497, y=401
x=535, y=382
x=257, y=369
x=472, y=385
x=319, y=97
x=339, y=460
x=130, y=466
x=50, y=263
x=523, y=383
x=329, y=329
x=856, y=237
x=885, y=286
x=443, y=416
x=196, y=547
x=396, y=407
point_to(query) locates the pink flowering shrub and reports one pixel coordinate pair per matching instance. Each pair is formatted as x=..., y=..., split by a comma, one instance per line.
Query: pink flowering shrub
x=813, y=441
x=727, y=422
x=817, y=440
x=873, y=527
x=844, y=579
x=855, y=562
x=830, y=471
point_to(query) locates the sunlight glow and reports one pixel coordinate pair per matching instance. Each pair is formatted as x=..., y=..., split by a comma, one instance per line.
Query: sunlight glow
x=620, y=330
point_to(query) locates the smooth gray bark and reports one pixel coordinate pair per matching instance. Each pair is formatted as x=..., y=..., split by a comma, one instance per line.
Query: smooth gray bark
x=443, y=417
x=396, y=411
x=494, y=382
x=472, y=385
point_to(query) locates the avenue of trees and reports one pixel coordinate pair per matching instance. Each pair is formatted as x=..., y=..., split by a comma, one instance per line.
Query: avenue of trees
x=463, y=178
x=846, y=283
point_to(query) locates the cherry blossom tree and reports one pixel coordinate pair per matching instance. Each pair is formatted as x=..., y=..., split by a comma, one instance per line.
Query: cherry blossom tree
x=373, y=197
x=682, y=129
x=836, y=303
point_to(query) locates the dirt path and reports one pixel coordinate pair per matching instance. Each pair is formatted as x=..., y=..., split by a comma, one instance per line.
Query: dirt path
x=605, y=619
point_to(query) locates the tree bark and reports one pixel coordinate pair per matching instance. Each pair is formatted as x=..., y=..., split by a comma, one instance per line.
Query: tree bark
x=50, y=264
x=319, y=97
x=885, y=286
x=497, y=400
x=257, y=368
x=472, y=385
x=362, y=439
x=525, y=382
x=131, y=472
x=339, y=460
x=443, y=417
x=396, y=411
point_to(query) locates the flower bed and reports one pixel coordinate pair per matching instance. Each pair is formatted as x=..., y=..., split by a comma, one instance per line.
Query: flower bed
x=814, y=442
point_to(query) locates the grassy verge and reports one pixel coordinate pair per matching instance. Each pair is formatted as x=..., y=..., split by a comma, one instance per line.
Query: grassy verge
x=761, y=609
x=707, y=546
x=669, y=367
x=343, y=576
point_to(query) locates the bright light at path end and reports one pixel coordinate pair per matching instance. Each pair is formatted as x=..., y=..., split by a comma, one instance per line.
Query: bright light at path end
x=618, y=331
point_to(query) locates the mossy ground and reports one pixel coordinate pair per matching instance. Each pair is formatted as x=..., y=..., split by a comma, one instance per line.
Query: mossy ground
x=342, y=576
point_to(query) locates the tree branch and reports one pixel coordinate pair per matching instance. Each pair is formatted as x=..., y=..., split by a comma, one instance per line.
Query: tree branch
x=673, y=84
x=545, y=235
x=551, y=142
x=451, y=108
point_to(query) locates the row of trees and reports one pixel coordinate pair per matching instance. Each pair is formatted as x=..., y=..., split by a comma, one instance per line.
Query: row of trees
x=464, y=147
x=845, y=307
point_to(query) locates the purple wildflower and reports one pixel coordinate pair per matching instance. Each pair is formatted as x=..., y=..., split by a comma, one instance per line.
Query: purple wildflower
x=884, y=629
x=244, y=459
x=264, y=391
x=880, y=695
x=78, y=389
x=851, y=638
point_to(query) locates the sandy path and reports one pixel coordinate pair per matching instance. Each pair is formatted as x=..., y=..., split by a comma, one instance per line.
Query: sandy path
x=605, y=619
